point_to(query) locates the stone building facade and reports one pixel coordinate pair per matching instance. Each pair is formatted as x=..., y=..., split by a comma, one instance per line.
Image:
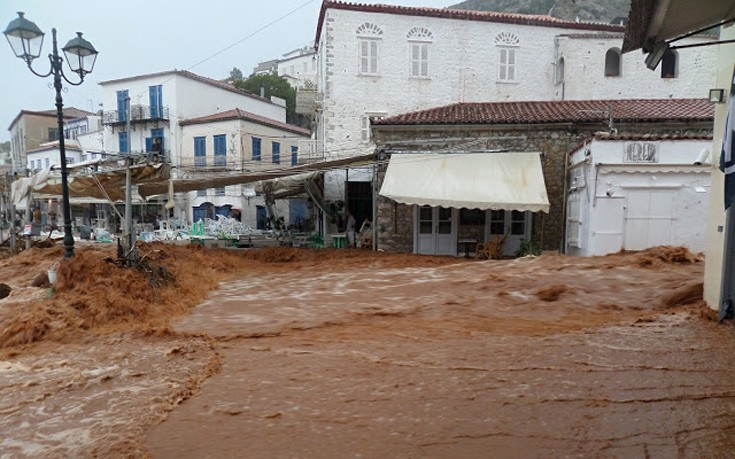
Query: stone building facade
x=551, y=128
x=382, y=60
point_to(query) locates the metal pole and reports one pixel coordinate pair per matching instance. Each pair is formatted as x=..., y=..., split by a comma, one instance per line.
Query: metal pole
x=56, y=67
x=375, y=207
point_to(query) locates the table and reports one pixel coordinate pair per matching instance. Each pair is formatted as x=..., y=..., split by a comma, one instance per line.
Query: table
x=468, y=244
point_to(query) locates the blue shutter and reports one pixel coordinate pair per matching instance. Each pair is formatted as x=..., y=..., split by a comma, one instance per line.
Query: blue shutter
x=256, y=149
x=294, y=155
x=220, y=150
x=276, y=152
x=121, y=112
x=155, y=97
x=200, y=151
x=123, y=142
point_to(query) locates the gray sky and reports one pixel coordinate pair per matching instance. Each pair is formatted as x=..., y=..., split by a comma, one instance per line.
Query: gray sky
x=144, y=36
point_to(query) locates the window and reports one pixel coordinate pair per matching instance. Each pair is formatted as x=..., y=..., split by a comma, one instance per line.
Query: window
x=507, y=64
x=419, y=39
x=294, y=155
x=368, y=57
x=507, y=44
x=84, y=158
x=471, y=217
x=276, y=152
x=69, y=160
x=368, y=41
x=48, y=163
x=201, y=193
x=518, y=223
x=53, y=134
x=220, y=150
x=121, y=108
x=419, y=60
x=559, y=76
x=155, y=96
x=220, y=191
x=122, y=138
x=200, y=151
x=669, y=67
x=612, y=62
x=497, y=222
x=256, y=149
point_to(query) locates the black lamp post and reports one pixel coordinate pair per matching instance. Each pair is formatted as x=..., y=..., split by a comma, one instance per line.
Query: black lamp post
x=26, y=39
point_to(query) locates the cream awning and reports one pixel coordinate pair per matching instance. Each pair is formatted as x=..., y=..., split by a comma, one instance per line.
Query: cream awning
x=508, y=181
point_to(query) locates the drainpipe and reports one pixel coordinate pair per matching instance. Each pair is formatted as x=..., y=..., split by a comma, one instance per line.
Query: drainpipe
x=565, y=196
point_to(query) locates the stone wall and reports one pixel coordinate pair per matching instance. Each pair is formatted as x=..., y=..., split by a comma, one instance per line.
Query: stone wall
x=395, y=221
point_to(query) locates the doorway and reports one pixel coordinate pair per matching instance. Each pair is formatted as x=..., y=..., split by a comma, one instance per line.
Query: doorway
x=516, y=224
x=436, y=230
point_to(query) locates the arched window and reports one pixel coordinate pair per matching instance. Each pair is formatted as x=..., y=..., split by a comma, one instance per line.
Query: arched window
x=419, y=39
x=669, y=64
x=612, y=62
x=368, y=39
x=507, y=43
x=560, y=71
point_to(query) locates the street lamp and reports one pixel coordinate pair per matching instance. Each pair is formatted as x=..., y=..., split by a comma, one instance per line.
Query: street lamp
x=26, y=40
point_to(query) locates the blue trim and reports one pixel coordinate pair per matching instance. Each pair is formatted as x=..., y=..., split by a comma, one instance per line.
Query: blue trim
x=122, y=139
x=155, y=97
x=220, y=150
x=121, y=112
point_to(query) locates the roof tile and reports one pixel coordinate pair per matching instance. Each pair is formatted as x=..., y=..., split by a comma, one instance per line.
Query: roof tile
x=237, y=114
x=541, y=112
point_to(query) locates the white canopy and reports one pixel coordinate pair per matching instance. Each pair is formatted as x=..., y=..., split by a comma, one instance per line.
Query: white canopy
x=509, y=181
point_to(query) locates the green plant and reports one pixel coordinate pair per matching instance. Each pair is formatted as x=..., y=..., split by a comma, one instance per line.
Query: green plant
x=528, y=248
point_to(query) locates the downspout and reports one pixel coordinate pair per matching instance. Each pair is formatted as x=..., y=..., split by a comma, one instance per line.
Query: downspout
x=563, y=242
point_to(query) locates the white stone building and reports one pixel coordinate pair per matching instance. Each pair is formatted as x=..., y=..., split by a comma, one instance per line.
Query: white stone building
x=633, y=192
x=238, y=141
x=381, y=60
x=158, y=101
x=297, y=66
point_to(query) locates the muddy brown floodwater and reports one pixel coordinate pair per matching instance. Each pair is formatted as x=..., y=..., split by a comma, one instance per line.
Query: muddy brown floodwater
x=344, y=353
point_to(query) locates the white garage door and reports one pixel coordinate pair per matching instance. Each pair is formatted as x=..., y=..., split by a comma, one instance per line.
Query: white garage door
x=649, y=218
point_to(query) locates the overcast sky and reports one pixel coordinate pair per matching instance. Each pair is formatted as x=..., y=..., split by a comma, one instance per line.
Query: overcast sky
x=144, y=36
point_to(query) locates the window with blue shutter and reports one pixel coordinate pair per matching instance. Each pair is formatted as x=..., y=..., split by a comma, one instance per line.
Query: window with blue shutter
x=256, y=149
x=276, y=152
x=123, y=142
x=200, y=151
x=155, y=96
x=121, y=109
x=220, y=150
x=294, y=155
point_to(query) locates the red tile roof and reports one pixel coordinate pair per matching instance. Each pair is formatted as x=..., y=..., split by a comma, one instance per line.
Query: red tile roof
x=566, y=111
x=237, y=114
x=467, y=15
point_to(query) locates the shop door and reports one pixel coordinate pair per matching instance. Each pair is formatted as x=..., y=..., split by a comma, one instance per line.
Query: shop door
x=649, y=216
x=436, y=231
x=516, y=225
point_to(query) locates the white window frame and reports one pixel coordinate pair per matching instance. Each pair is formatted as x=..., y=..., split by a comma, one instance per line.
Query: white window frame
x=418, y=61
x=505, y=67
x=368, y=50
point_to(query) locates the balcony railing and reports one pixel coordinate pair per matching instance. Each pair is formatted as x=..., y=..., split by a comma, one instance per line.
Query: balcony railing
x=137, y=113
x=310, y=151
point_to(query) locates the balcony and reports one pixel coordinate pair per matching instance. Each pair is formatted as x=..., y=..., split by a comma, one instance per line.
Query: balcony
x=138, y=114
x=310, y=151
